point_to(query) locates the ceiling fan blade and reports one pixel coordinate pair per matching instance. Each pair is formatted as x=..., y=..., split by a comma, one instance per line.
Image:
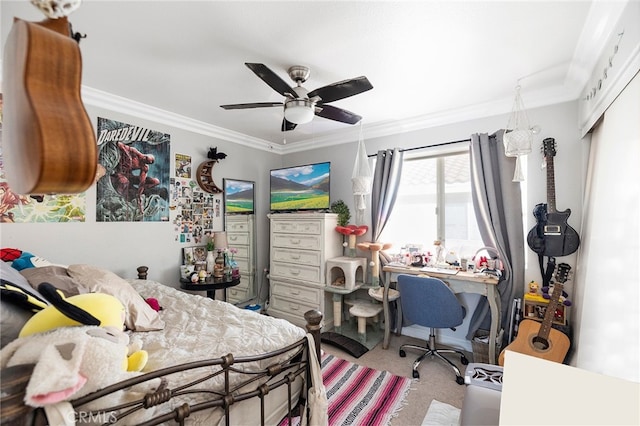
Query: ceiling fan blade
x=287, y=125
x=252, y=105
x=342, y=89
x=337, y=114
x=272, y=79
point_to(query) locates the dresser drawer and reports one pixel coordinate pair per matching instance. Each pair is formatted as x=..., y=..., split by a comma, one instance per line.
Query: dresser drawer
x=298, y=257
x=305, y=242
x=245, y=281
x=236, y=294
x=233, y=226
x=312, y=227
x=292, y=311
x=238, y=240
x=296, y=272
x=241, y=251
x=243, y=264
x=310, y=295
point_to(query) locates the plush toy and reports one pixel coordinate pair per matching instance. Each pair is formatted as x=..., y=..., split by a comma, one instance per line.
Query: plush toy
x=533, y=287
x=547, y=291
x=71, y=362
x=22, y=259
x=154, y=303
x=96, y=309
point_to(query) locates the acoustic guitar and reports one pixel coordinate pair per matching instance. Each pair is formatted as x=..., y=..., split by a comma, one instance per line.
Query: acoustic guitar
x=49, y=145
x=552, y=236
x=540, y=339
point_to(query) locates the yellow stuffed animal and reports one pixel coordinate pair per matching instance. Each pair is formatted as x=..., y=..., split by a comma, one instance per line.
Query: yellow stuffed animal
x=85, y=309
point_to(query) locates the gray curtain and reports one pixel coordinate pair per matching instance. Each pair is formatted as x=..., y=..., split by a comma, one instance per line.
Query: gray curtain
x=386, y=180
x=498, y=207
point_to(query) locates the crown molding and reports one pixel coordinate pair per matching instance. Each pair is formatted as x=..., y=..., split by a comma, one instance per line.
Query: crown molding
x=101, y=99
x=540, y=98
x=613, y=69
x=98, y=98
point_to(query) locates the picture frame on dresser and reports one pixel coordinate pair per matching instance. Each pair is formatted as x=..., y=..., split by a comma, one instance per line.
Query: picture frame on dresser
x=239, y=196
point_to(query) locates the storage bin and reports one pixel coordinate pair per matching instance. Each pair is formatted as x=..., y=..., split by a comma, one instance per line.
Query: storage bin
x=480, y=346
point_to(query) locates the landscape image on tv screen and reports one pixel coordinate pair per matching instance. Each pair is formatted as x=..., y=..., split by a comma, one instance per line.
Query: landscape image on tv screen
x=300, y=188
x=238, y=196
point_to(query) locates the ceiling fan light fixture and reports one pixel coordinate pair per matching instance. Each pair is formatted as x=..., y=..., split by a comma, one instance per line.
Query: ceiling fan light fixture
x=299, y=111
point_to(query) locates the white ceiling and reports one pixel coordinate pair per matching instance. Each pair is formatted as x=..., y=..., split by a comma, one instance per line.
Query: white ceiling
x=430, y=62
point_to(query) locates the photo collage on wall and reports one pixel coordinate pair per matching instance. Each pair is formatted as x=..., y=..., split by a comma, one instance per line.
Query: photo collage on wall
x=196, y=213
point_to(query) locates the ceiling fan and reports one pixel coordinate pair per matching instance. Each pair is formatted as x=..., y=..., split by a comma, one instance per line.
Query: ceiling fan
x=300, y=105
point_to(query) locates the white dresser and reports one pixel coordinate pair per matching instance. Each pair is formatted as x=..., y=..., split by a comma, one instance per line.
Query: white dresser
x=300, y=245
x=240, y=235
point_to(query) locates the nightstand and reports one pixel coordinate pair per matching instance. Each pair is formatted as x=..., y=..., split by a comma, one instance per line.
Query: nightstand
x=210, y=285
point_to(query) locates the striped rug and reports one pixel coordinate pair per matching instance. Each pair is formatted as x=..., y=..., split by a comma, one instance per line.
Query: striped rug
x=360, y=395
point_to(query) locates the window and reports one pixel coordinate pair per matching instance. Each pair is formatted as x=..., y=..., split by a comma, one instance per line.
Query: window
x=434, y=203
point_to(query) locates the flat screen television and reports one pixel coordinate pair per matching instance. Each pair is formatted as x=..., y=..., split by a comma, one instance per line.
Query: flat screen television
x=300, y=188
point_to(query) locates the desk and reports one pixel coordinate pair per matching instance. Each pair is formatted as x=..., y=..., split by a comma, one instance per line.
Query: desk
x=210, y=285
x=462, y=282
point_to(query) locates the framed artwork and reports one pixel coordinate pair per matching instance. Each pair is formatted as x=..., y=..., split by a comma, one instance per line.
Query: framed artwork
x=199, y=254
x=238, y=196
x=193, y=255
x=187, y=256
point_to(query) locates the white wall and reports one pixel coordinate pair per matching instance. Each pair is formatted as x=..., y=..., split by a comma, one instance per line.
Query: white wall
x=608, y=308
x=123, y=246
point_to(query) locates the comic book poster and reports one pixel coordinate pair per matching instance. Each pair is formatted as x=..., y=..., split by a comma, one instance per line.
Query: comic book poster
x=137, y=162
x=183, y=166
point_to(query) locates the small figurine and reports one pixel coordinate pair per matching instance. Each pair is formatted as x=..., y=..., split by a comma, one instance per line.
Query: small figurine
x=547, y=291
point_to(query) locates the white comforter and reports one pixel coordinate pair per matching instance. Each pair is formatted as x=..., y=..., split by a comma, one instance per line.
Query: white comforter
x=198, y=328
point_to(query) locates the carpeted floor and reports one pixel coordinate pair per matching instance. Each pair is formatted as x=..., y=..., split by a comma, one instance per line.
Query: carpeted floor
x=437, y=380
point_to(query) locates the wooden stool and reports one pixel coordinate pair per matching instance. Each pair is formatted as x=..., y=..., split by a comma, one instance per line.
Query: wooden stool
x=362, y=311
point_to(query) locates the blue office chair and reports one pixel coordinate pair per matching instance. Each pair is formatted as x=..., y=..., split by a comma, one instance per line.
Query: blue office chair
x=429, y=302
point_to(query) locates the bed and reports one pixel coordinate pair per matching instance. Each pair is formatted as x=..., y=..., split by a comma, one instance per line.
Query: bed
x=215, y=363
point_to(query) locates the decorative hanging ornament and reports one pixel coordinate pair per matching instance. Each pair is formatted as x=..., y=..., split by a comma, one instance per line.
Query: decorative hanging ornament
x=518, y=135
x=361, y=179
x=56, y=9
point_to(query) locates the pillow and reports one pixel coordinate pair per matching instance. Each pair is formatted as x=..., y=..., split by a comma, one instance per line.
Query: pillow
x=56, y=276
x=22, y=259
x=139, y=317
x=12, y=317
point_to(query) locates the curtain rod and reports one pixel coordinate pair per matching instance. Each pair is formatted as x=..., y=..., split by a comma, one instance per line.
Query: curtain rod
x=427, y=146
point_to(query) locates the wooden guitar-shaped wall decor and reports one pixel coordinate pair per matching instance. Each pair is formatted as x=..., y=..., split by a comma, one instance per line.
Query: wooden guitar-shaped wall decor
x=539, y=339
x=49, y=145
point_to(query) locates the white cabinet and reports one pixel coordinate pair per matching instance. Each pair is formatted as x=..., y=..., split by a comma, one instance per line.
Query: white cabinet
x=301, y=243
x=240, y=236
